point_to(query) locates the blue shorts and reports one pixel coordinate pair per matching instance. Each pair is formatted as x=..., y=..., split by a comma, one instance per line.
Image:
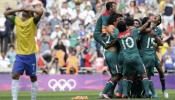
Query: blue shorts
x=25, y=63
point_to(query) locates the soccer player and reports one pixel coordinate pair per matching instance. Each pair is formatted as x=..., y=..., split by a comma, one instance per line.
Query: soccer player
x=148, y=51
x=25, y=47
x=132, y=63
x=159, y=62
x=100, y=34
x=102, y=22
x=111, y=54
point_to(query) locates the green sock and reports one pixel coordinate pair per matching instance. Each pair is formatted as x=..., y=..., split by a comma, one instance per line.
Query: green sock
x=111, y=92
x=109, y=85
x=120, y=87
x=146, y=85
x=126, y=87
x=129, y=85
x=151, y=86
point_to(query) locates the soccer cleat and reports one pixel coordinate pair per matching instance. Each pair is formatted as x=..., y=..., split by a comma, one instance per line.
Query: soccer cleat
x=118, y=95
x=100, y=94
x=154, y=96
x=147, y=96
x=124, y=96
x=104, y=96
x=165, y=94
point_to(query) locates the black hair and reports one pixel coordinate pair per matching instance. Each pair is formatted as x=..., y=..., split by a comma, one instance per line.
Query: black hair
x=11, y=46
x=160, y=20
x=134, y=2
x=113, y=18
x=109, y=5
x=144, y=20
x=121, y=26
x=139, y=21
x=129, y=21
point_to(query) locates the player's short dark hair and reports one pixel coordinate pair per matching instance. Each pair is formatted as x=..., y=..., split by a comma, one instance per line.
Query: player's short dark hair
x=144, y=20
x=121, y=26
x=11, y=46
x=129, y=21
x=160, y=20
x=139, y=21
x=113, y=18
x=109, y=5
x=134, y=1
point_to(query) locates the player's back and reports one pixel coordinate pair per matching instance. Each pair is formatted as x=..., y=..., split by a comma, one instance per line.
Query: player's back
x=147, y=42
x=128, y=41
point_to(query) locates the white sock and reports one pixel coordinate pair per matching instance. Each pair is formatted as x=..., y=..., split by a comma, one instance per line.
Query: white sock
x=34, y=90
x=15, y=89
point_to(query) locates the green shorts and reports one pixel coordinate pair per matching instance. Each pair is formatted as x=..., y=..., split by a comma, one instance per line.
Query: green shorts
x=133, y=65
x=111, y=59
x=137, y=89
x=149, y=62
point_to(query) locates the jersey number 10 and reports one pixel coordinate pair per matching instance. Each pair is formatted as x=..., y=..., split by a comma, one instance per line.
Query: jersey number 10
x=128, y=42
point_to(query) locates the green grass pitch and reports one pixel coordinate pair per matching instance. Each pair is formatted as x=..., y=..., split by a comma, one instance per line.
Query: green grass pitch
x=91, y=95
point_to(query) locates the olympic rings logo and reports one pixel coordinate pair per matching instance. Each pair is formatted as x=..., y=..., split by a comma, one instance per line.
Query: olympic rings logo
x=62, y=84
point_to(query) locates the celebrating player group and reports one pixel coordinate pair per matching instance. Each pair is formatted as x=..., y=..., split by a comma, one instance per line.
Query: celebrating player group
x=131, y=47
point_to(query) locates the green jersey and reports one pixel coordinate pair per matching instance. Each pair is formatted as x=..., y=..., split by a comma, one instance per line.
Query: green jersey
x=101, y=22
x=132, y=63
x=108, y=38
x=128, y=41
x=147, y=42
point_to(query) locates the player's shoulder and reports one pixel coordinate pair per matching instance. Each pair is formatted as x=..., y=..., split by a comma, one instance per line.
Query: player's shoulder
x=106, y=13
x=158, y=30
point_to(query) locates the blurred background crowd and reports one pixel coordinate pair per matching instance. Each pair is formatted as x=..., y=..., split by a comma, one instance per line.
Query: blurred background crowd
x=65, y=43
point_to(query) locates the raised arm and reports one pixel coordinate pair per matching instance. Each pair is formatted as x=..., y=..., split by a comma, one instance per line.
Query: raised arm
x=144, y=26
x=38, y=12
x=11, y=12
x=98, y=31
x=158, y=39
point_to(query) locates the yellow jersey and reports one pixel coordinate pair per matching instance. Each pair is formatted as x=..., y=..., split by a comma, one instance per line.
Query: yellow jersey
x=60, y=54
x=25, y=36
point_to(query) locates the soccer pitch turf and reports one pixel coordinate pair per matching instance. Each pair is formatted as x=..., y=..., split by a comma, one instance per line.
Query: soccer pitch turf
x=91, y=95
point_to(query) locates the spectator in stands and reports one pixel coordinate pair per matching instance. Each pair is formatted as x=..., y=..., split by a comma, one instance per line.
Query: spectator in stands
x=87, y=15
x=89, y=56
x=2, y=33
x=45, y=45
x=56, y=33
x=167, y=37
x=9, y=37
x=66, y=11
x=61, y=55
x=72, y=63
x=168, y=14
x=4, y=61
x=55, y=20
x=169, y=59
x=131, y=8
x=65, y=40
x=80, y=55
x=11, y=54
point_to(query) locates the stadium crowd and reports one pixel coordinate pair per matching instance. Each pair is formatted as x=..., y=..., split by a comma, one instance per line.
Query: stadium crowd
x=65, y=33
